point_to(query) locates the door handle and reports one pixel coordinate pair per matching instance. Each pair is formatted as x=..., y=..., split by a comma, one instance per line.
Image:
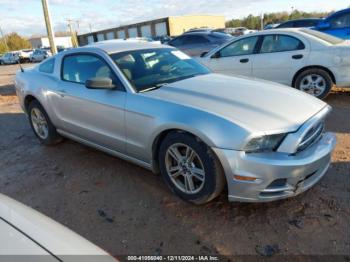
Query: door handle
x=244, y=60
x=297, y=56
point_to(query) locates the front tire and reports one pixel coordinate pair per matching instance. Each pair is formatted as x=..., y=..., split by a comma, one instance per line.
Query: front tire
x=314, y=81
x=41, y=124
x=190, y=168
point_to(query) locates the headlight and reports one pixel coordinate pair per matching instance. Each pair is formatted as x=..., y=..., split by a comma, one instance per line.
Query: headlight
x=264, y=143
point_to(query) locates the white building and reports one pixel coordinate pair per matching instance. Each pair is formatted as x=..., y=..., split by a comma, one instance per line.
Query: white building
x=62, y=41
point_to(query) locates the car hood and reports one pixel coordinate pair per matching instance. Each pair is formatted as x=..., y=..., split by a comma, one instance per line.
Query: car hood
x=25, y=231
x=257, y=105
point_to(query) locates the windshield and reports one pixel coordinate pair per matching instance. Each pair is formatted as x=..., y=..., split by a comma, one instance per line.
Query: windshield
x=325, y=37
x=152, y=68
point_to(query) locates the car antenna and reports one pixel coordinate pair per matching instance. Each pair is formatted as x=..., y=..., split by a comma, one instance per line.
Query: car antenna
x=20, y=65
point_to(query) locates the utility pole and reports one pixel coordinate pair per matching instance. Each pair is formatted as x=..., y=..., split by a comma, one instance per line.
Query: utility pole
x=72, y=33
x=262, y=21
x=4, y=39
x=50, y=32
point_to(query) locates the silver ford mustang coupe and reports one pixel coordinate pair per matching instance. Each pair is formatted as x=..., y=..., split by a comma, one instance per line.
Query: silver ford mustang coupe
x=155, y=106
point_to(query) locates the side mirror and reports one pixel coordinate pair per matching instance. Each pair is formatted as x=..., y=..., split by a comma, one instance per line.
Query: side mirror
x=216, y=55
x=203, y=54
x=99, y=83
x=323, y=25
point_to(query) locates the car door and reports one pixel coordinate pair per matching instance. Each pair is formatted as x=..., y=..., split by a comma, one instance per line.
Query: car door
x=339, y=26
x=95, y=115
x=234, y=58
x=279, y=58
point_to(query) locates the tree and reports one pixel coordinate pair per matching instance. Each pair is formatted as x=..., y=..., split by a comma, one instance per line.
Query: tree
x=253, y=22
x=14, y=42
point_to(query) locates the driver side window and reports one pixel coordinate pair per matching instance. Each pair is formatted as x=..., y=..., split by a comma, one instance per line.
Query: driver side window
x=81, y=67
x=244, y=46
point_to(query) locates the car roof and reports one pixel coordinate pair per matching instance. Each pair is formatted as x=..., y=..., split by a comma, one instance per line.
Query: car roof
x=277, y=30
x=274, y=31
x=340, y=12
x=112, y=46
x=207, y=32
x=303, y=19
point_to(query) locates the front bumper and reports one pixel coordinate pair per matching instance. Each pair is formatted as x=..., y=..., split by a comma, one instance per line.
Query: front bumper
x=278, y=175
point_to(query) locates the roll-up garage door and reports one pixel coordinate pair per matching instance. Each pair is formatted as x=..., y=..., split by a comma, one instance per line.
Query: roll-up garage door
x=90, y=39
x=146, y=31
x=161, y=29
x=110, y=35
x=121, y=34
x=100, y=37
x=132, y=32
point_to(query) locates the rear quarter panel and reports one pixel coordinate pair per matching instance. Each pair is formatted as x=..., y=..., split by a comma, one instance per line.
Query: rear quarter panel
x=38, y=85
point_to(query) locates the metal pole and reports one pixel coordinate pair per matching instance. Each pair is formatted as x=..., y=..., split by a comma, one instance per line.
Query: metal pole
x=72, y=33
x=4, y=39
x=50, y=32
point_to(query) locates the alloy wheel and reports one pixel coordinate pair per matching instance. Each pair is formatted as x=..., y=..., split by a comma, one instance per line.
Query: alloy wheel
x=39, y=123
x=185, y=168
x=313, y=84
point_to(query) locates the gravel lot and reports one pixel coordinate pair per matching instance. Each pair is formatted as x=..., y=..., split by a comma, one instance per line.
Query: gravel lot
x=128, y=210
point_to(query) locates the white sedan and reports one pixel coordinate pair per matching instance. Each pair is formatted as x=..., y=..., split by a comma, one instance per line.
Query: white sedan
x=27, y=235
x=308, y=60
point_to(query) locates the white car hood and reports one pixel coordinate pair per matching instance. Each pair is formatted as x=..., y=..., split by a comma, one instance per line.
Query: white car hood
x=257, y=105
x=24, y=231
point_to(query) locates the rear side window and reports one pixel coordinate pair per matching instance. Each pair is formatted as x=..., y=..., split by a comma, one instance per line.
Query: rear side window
x=48, y=66
x=79, y=68
x=286, y=25
x=195, y=39
x=306, y=23
x=244, y=46
x=280, y=43
x=177, y=41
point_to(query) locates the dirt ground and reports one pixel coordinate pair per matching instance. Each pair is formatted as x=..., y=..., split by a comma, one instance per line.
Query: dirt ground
x=127, y=210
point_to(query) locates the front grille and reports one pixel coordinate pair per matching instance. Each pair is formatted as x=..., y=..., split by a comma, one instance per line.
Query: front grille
x=312, y=135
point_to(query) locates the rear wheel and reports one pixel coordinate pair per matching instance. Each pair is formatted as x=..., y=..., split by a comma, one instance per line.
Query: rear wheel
x=190, y=168
x=316, y=82
x=41, y=124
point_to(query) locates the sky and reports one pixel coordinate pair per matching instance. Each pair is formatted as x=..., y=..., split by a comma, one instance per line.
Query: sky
x=26, y=16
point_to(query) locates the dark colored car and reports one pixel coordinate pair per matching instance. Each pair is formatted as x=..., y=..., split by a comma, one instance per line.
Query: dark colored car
x=194, y=44
x=163, y=39
x=337, y=24
x=199, y=30
x=306, y=22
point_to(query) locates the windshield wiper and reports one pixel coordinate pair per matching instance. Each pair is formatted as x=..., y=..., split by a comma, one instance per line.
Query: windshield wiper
x=159, y=85
x=156, y=86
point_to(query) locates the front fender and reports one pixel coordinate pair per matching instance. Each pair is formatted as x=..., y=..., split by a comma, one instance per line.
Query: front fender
x=147, y=118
